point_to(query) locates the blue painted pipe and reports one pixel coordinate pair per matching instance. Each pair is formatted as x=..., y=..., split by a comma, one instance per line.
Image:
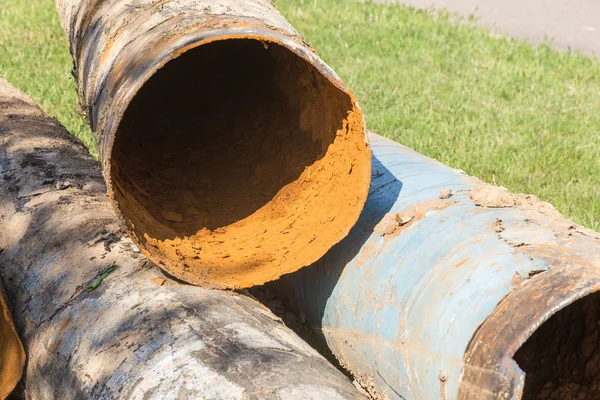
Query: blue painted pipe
x=401, y=299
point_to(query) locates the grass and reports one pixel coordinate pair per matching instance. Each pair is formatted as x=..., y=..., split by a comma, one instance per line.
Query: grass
x=497, y=108
x=524, y=117
x=34, y=56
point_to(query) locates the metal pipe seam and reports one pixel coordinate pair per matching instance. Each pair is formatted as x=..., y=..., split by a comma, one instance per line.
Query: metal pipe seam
x=420, y=300
x=121, y=48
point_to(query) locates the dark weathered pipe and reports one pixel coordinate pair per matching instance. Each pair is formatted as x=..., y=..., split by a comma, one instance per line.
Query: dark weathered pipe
x=136, y=334
x=231, y=151
x=435, y=297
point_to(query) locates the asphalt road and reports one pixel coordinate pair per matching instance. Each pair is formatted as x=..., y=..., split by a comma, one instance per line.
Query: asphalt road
x=571, y=24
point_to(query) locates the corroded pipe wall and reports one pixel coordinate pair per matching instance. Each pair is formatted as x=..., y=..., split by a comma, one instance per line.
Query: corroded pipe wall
x=232, y=153
x=136, y=333
x=434, y=296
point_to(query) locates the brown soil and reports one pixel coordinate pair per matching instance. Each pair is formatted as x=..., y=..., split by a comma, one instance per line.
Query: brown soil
x=561, y=359
x=445, y=193
x=393, y=224
x=238, y=162
x=490, y=196
x=486, y=195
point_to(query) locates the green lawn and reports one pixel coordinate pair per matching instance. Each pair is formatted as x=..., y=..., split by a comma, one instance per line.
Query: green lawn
x=34, y=56
x=497, y=108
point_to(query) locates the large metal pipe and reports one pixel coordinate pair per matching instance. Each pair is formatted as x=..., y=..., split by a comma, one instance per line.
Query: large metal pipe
x=135, y=333
x=231, y=152
x=480, y=295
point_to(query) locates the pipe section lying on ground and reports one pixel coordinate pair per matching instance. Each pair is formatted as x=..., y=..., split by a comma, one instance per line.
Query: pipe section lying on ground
x=481, y=294
x=134, y=333
x=232, y=152
x=12, y=355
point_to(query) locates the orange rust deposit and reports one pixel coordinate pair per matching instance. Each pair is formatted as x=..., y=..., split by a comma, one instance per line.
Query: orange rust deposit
x=237, y=162
x=12, y=355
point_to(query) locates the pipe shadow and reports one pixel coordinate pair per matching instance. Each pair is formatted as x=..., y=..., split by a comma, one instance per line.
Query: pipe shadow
x=308, y=296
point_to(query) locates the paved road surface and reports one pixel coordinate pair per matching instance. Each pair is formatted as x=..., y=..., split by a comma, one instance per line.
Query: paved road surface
x=571, y=24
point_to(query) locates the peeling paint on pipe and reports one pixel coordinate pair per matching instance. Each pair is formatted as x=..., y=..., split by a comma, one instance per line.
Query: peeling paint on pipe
x=231, y=151
x=446, y=294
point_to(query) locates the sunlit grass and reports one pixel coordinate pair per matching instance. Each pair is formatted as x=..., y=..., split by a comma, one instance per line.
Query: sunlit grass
x=494, y=107
x=34, y=56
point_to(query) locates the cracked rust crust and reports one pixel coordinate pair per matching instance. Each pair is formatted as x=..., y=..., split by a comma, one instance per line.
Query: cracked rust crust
x=231, y=152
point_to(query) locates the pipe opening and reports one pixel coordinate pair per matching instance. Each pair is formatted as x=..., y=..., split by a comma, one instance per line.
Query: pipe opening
x=239, y=161
x=561, y=360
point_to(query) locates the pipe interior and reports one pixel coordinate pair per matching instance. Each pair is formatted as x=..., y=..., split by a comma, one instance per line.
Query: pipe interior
x=561, y=360
x=236, y=153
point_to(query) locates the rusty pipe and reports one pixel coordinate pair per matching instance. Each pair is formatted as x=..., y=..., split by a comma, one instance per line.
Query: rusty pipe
x=232, y=153
x=136, y=333
x=449, y=288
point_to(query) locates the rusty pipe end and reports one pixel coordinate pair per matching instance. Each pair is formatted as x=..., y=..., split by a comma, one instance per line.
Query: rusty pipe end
x=541, y=342
x=241, y=159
